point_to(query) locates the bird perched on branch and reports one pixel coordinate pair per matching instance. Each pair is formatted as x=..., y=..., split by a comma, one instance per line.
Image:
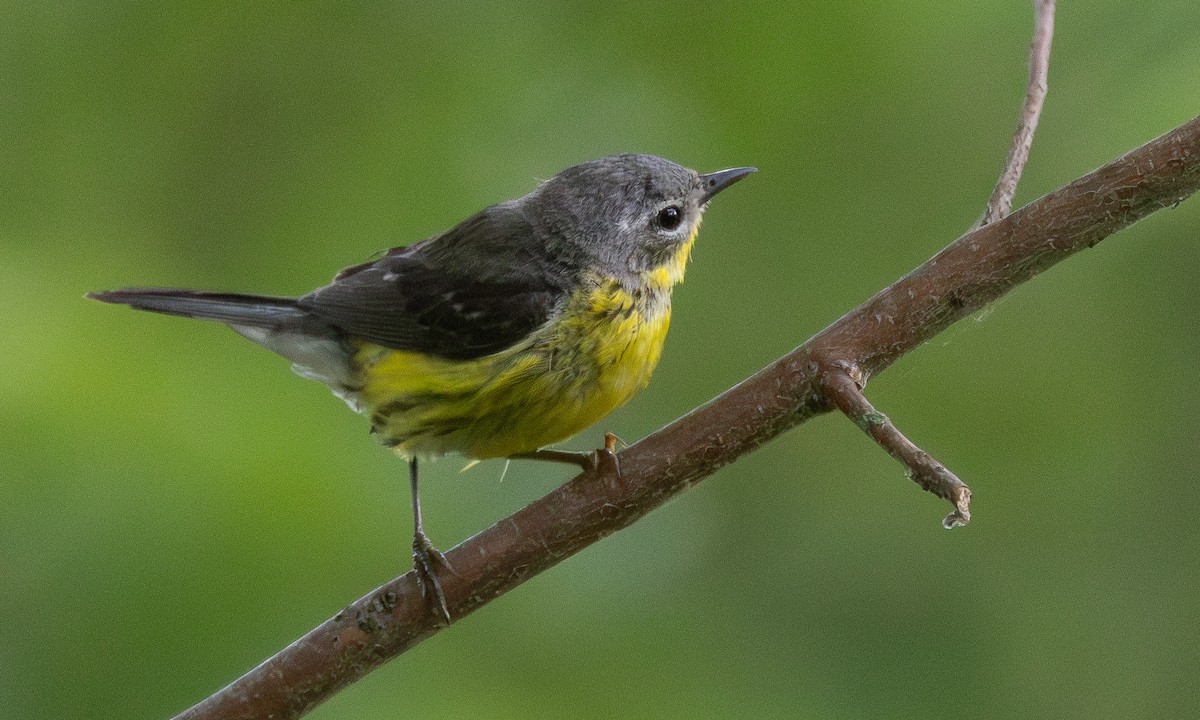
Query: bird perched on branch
x=515, y=329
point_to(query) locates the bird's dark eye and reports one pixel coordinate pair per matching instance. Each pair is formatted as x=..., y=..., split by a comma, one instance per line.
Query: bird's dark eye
x=669, y=217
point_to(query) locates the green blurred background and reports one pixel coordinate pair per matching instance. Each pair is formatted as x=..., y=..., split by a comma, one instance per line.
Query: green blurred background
x=175, y=505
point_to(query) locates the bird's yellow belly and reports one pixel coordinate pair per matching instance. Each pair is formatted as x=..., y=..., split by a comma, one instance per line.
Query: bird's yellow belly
x=566, y=376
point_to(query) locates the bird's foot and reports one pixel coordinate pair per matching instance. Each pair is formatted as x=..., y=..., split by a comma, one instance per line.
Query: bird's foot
x=426, y=561
x=603, y=459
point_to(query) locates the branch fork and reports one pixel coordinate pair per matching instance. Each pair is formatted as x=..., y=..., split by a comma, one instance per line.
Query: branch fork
x=842, y=382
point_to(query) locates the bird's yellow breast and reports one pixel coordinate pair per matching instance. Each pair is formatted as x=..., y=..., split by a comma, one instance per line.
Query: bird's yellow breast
x=588, y=360
x=567, y=375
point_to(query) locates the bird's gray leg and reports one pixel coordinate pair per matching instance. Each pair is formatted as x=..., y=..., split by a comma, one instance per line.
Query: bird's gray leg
x=426, y=557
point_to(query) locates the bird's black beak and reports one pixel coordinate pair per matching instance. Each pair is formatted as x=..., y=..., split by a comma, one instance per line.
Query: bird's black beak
x=714, y=182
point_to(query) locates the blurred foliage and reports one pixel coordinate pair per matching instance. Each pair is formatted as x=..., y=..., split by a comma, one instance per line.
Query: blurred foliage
x=175, y=505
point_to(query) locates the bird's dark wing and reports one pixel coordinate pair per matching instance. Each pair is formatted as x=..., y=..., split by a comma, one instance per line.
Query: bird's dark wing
x=476, y=290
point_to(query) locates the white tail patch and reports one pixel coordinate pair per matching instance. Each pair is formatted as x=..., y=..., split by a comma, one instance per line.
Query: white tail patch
x=315, y=358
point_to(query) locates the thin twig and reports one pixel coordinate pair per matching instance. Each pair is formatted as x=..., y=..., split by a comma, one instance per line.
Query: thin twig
x=843, y=383
x=964, y=277
x=845, y=391
x=1000, y=203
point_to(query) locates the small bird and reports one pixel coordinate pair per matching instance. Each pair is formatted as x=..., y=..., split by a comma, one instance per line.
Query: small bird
x=517, y=328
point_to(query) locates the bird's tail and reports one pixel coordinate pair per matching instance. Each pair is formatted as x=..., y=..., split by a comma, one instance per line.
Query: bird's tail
x=234, y=309
x=317, y=351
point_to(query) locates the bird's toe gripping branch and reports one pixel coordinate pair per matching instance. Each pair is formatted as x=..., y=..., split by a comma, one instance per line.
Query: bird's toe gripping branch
x=602, y=459
x=426, y=561
x=843, y=387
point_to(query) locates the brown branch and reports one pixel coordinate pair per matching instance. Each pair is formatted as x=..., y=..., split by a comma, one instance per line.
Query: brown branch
x=964, y=277
x=1000, y=203
x=843, y=383
x=843, y=387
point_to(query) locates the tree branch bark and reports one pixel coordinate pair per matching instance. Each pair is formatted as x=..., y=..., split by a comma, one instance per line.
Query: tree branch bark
x=971, y=272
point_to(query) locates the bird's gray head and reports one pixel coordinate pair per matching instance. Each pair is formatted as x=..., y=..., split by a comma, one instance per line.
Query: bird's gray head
x=626, y=214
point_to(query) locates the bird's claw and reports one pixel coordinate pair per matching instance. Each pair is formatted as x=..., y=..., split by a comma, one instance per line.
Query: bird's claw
x=605, y=458
x=426, y=560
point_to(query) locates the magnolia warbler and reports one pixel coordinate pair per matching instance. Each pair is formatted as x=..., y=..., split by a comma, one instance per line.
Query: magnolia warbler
x=515, y=329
